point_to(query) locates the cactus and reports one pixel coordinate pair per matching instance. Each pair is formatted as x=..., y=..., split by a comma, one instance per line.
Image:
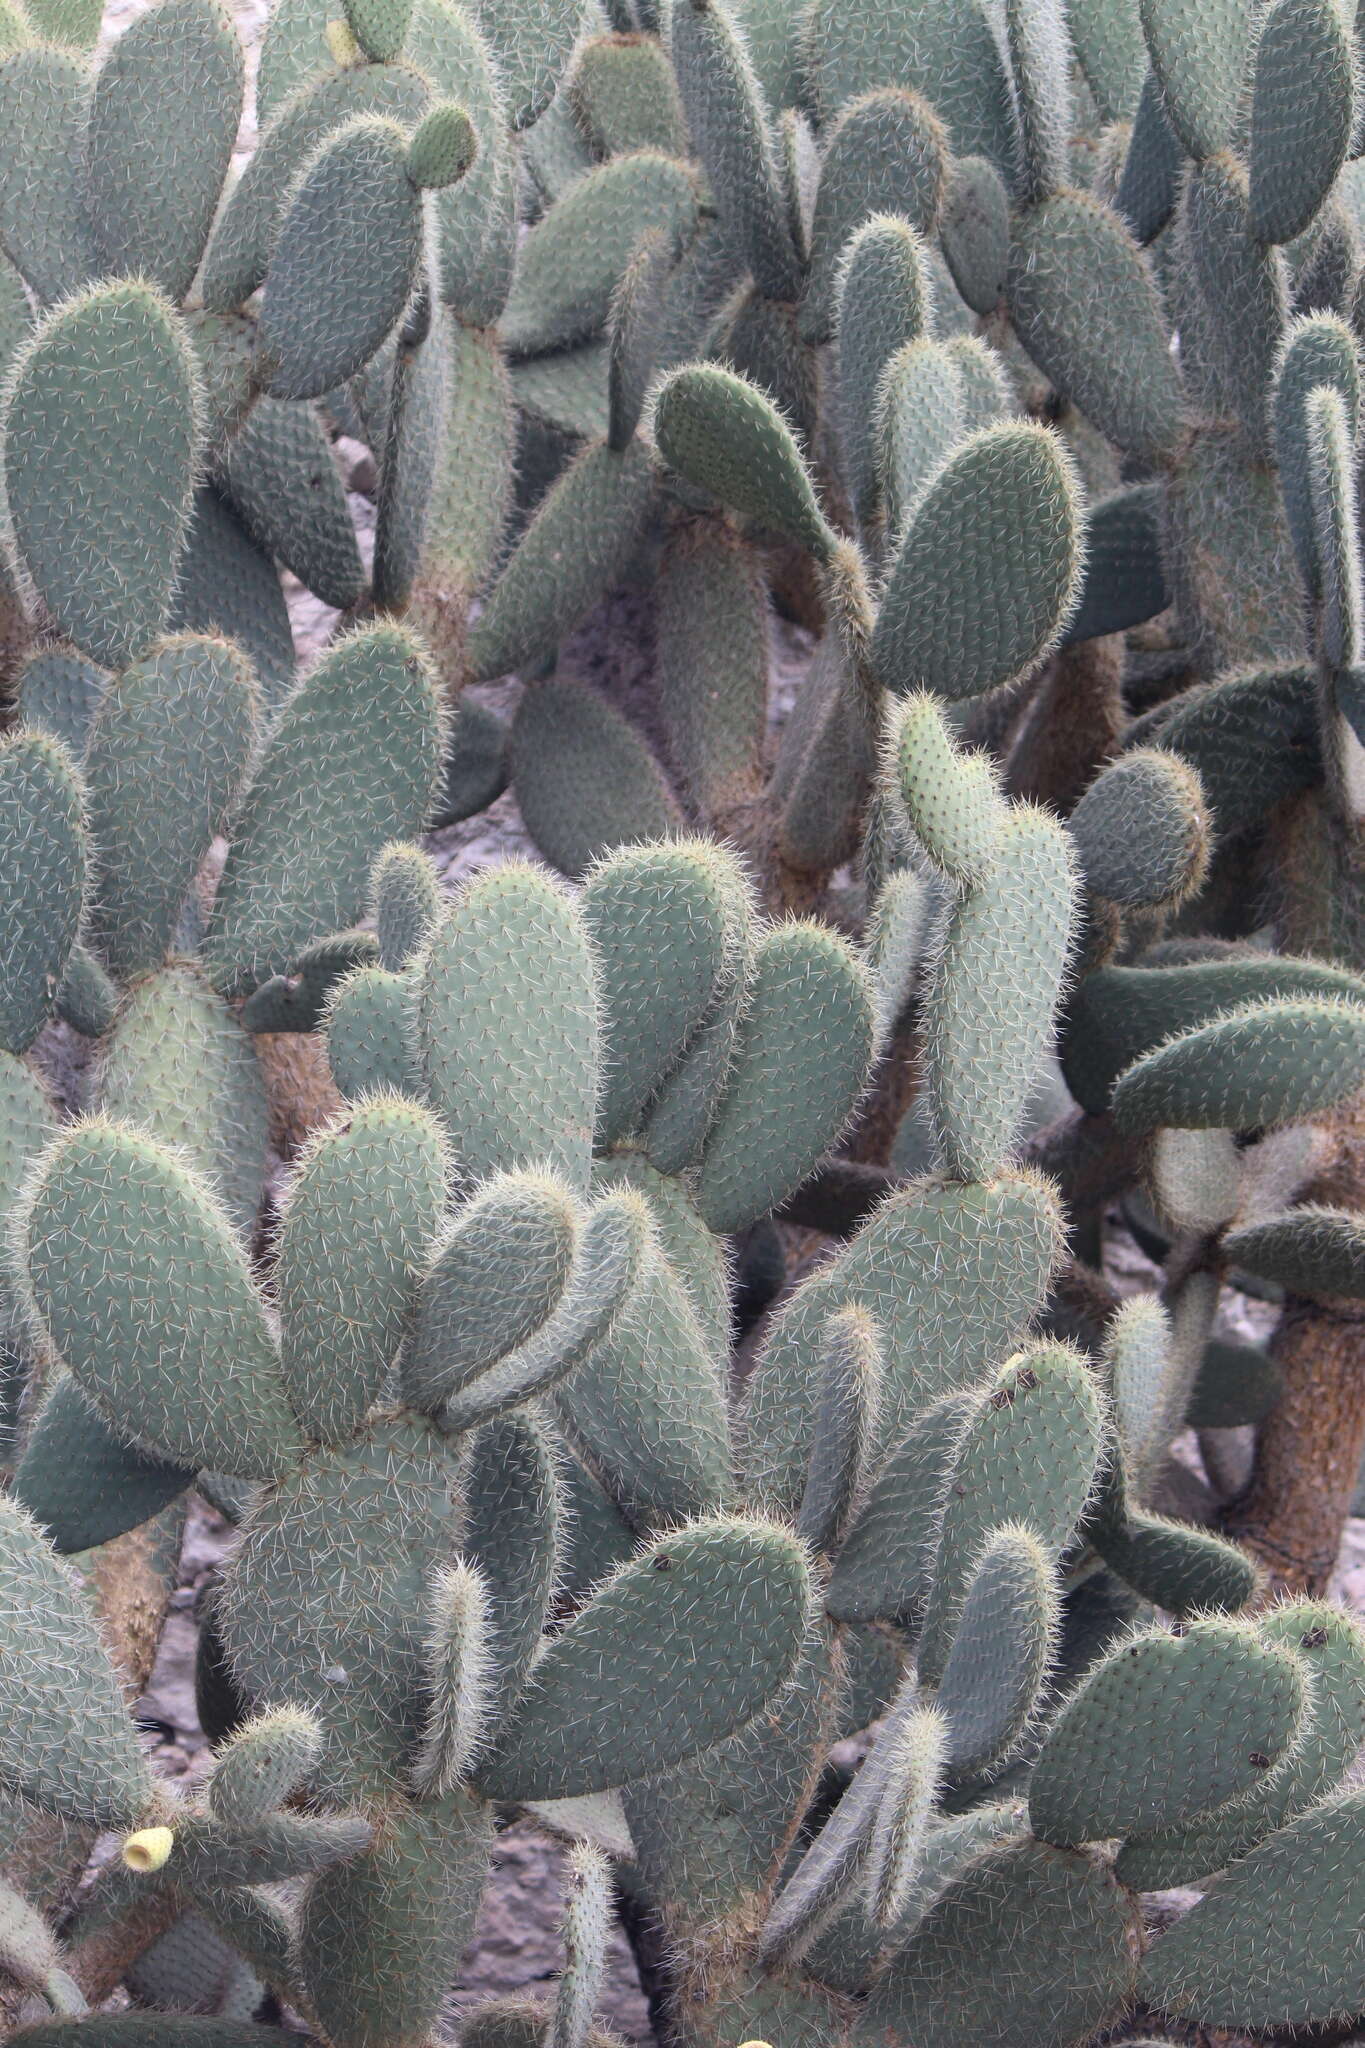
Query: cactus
x=1039, y=904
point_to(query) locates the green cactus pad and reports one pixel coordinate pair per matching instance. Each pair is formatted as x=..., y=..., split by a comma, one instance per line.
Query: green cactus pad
x=44, y=222
x=1331, y=470
x=86, y=997
x=1269, y=1063
x=1086, y=308
x=1027, y=1457
x=1125, y=577
x=713, y=660
x=1199, y=54
x=1205, y=1711
x=1031, y=1904
x=352, y=763
x=1245, y=287
x=1142, y=831
x=163, y=122
x=950, y=1274
x=532, y=45
x=1040, y=50
x=952, y=798
x=151, y=1350
x=186, y=715
x=731, y=132
x=993, y=992
x=405, y=900
x=228, y=586
x=579, y=542
x=1293, y=164
x=245, y=235
x=26, y=1125
x=497, y=1275
x=646, y=1407
x=1005, y=507
x=380, y=27
x=58, y=693
x=1113, y=58
x=884, y=1567
x=845, y=1429
x=507, y=1025
x=885, y=302
x=800, y=1063
x=359, y=1214
x=368, y=1048
x=1184, y=1570
x=624, y=96
x=1312, y=1250
x=720, y=432
x=344, y=262
x=269, y=1758
x=1330, y=1647
x=585, y=780
x=176, y=1065
x=993, y=1679
x=512, y=1527
x=974, y=231
x=918, y=421
x=638, y=319
x=476, y=770
x=99, y=436
x=42, y=880
x=949, y=53
x=606, y=1273
x=336, y=1629
x=886, y=154
x=367, y=1982
x=1319, y=349
x=456, y=1679
x=443, y=147
x=1277, y=1942
x=669, y=927
x=282, y=477
x=574, y=258
x=1119, y=1014
x=1235, y=1384
x=298, y=1001
x=67, y=1741
x=680, y=1649
x=1149, y=184
x=83, y=1484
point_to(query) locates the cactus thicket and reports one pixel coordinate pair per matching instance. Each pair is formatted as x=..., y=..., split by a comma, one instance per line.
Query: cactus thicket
x=647, y=1325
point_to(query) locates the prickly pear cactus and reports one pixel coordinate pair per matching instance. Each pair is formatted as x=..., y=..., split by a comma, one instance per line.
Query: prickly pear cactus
x=444, y=1240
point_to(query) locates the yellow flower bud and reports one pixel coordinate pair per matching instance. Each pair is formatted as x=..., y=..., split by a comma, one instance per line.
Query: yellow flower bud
x=344, y=48
x=148, y=1848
